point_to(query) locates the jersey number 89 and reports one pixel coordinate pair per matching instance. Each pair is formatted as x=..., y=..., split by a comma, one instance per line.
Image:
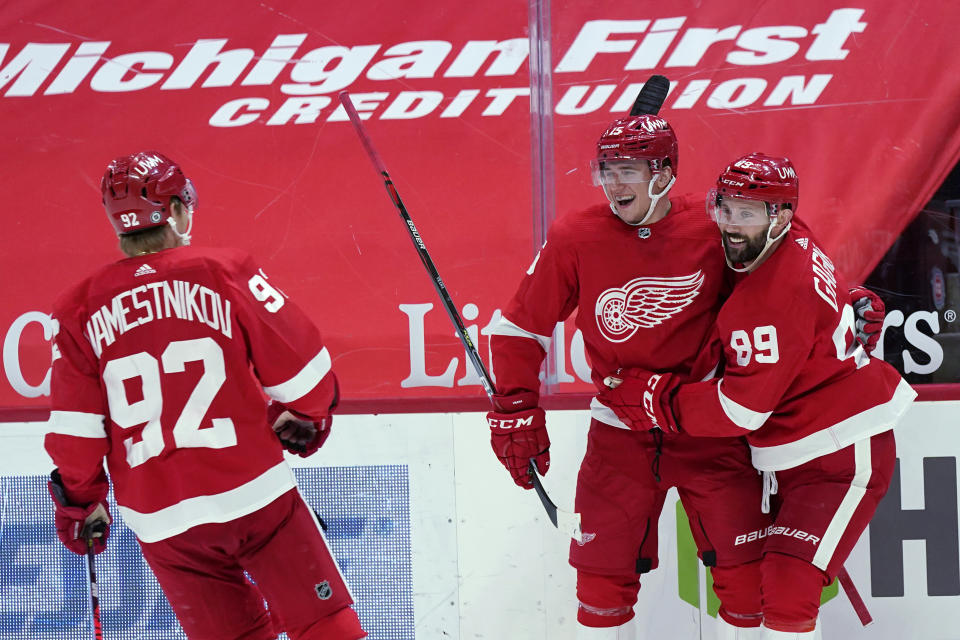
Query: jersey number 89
x=764, y=341
x=767, y=350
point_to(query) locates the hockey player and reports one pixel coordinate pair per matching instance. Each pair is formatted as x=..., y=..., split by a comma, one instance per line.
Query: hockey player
x=648, y=277
x=158, y=365
x=816, y=410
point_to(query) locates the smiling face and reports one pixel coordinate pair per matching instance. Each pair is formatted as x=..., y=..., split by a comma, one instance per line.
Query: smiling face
x=626, y=183
x=743, y=226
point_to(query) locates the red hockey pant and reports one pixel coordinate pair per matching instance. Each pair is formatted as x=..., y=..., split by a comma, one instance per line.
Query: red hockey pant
x=282, y=547
x=620, y=500
x=822, y=508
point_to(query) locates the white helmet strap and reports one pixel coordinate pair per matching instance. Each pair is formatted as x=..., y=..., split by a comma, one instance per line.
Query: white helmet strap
x=185, y=236
x=766, y=247
x=654, y=199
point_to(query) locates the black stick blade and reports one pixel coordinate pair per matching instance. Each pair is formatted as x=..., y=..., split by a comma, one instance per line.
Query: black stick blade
x=651, y=96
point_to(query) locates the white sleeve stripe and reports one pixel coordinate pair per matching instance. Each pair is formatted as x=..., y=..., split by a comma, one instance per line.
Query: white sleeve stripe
x=77, y=423
x=507, y=328
x=302, y=383
x=739, y=414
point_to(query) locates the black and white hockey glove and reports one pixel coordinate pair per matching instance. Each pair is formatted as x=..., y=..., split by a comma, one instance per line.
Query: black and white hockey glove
x=297, y=433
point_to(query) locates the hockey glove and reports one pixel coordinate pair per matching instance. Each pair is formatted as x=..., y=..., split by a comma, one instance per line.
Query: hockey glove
x=79, y=527
x=641, y=399
x=297, y=433
x=518, y=432
x=870, y=311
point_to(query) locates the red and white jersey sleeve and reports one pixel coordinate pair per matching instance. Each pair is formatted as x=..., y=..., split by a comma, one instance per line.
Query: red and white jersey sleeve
x=645, y=297
x=796, y=382
x=546, y=296
x=163, y=364
x=77, y=437
x=285, y=346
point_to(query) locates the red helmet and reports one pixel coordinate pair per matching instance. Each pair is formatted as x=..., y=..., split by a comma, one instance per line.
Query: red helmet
x=757, y=176
x=137, y=189
x=646, y=137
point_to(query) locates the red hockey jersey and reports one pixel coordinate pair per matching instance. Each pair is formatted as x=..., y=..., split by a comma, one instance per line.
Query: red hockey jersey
x=647, y=297
x=796, y=382
x=158, y=365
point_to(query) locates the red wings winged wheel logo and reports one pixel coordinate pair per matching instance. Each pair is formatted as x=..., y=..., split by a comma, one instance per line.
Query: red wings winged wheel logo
x=644, y=302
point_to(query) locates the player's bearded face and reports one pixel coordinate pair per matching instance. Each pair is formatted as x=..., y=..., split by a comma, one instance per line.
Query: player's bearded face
x=743, y=227
x=742, y=247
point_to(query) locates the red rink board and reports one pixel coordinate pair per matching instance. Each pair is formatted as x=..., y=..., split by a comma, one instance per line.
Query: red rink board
x=871, y=126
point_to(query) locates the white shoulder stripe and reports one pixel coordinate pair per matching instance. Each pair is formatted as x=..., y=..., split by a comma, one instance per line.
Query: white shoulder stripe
x=302, y=383
x=77, y=423
x=507, y=328
x=739, y=414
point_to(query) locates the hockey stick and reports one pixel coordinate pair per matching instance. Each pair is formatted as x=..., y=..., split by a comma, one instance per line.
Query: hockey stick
x=418, y=245
x=859, y=606
x=89, y=532
x=568, y=523
x=651, y=96
x=557, y=517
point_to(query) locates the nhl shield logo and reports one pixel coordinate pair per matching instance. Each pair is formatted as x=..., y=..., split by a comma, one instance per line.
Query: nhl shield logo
x=643, y=233
x=323, y=590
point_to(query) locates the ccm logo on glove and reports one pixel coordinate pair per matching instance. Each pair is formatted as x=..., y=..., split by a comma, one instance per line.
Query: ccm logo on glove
x=513, y=423
x=648, y=399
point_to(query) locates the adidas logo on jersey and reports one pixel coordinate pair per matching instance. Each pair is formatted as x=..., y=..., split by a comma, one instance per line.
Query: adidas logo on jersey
x=144, y=270
x=803, y=242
